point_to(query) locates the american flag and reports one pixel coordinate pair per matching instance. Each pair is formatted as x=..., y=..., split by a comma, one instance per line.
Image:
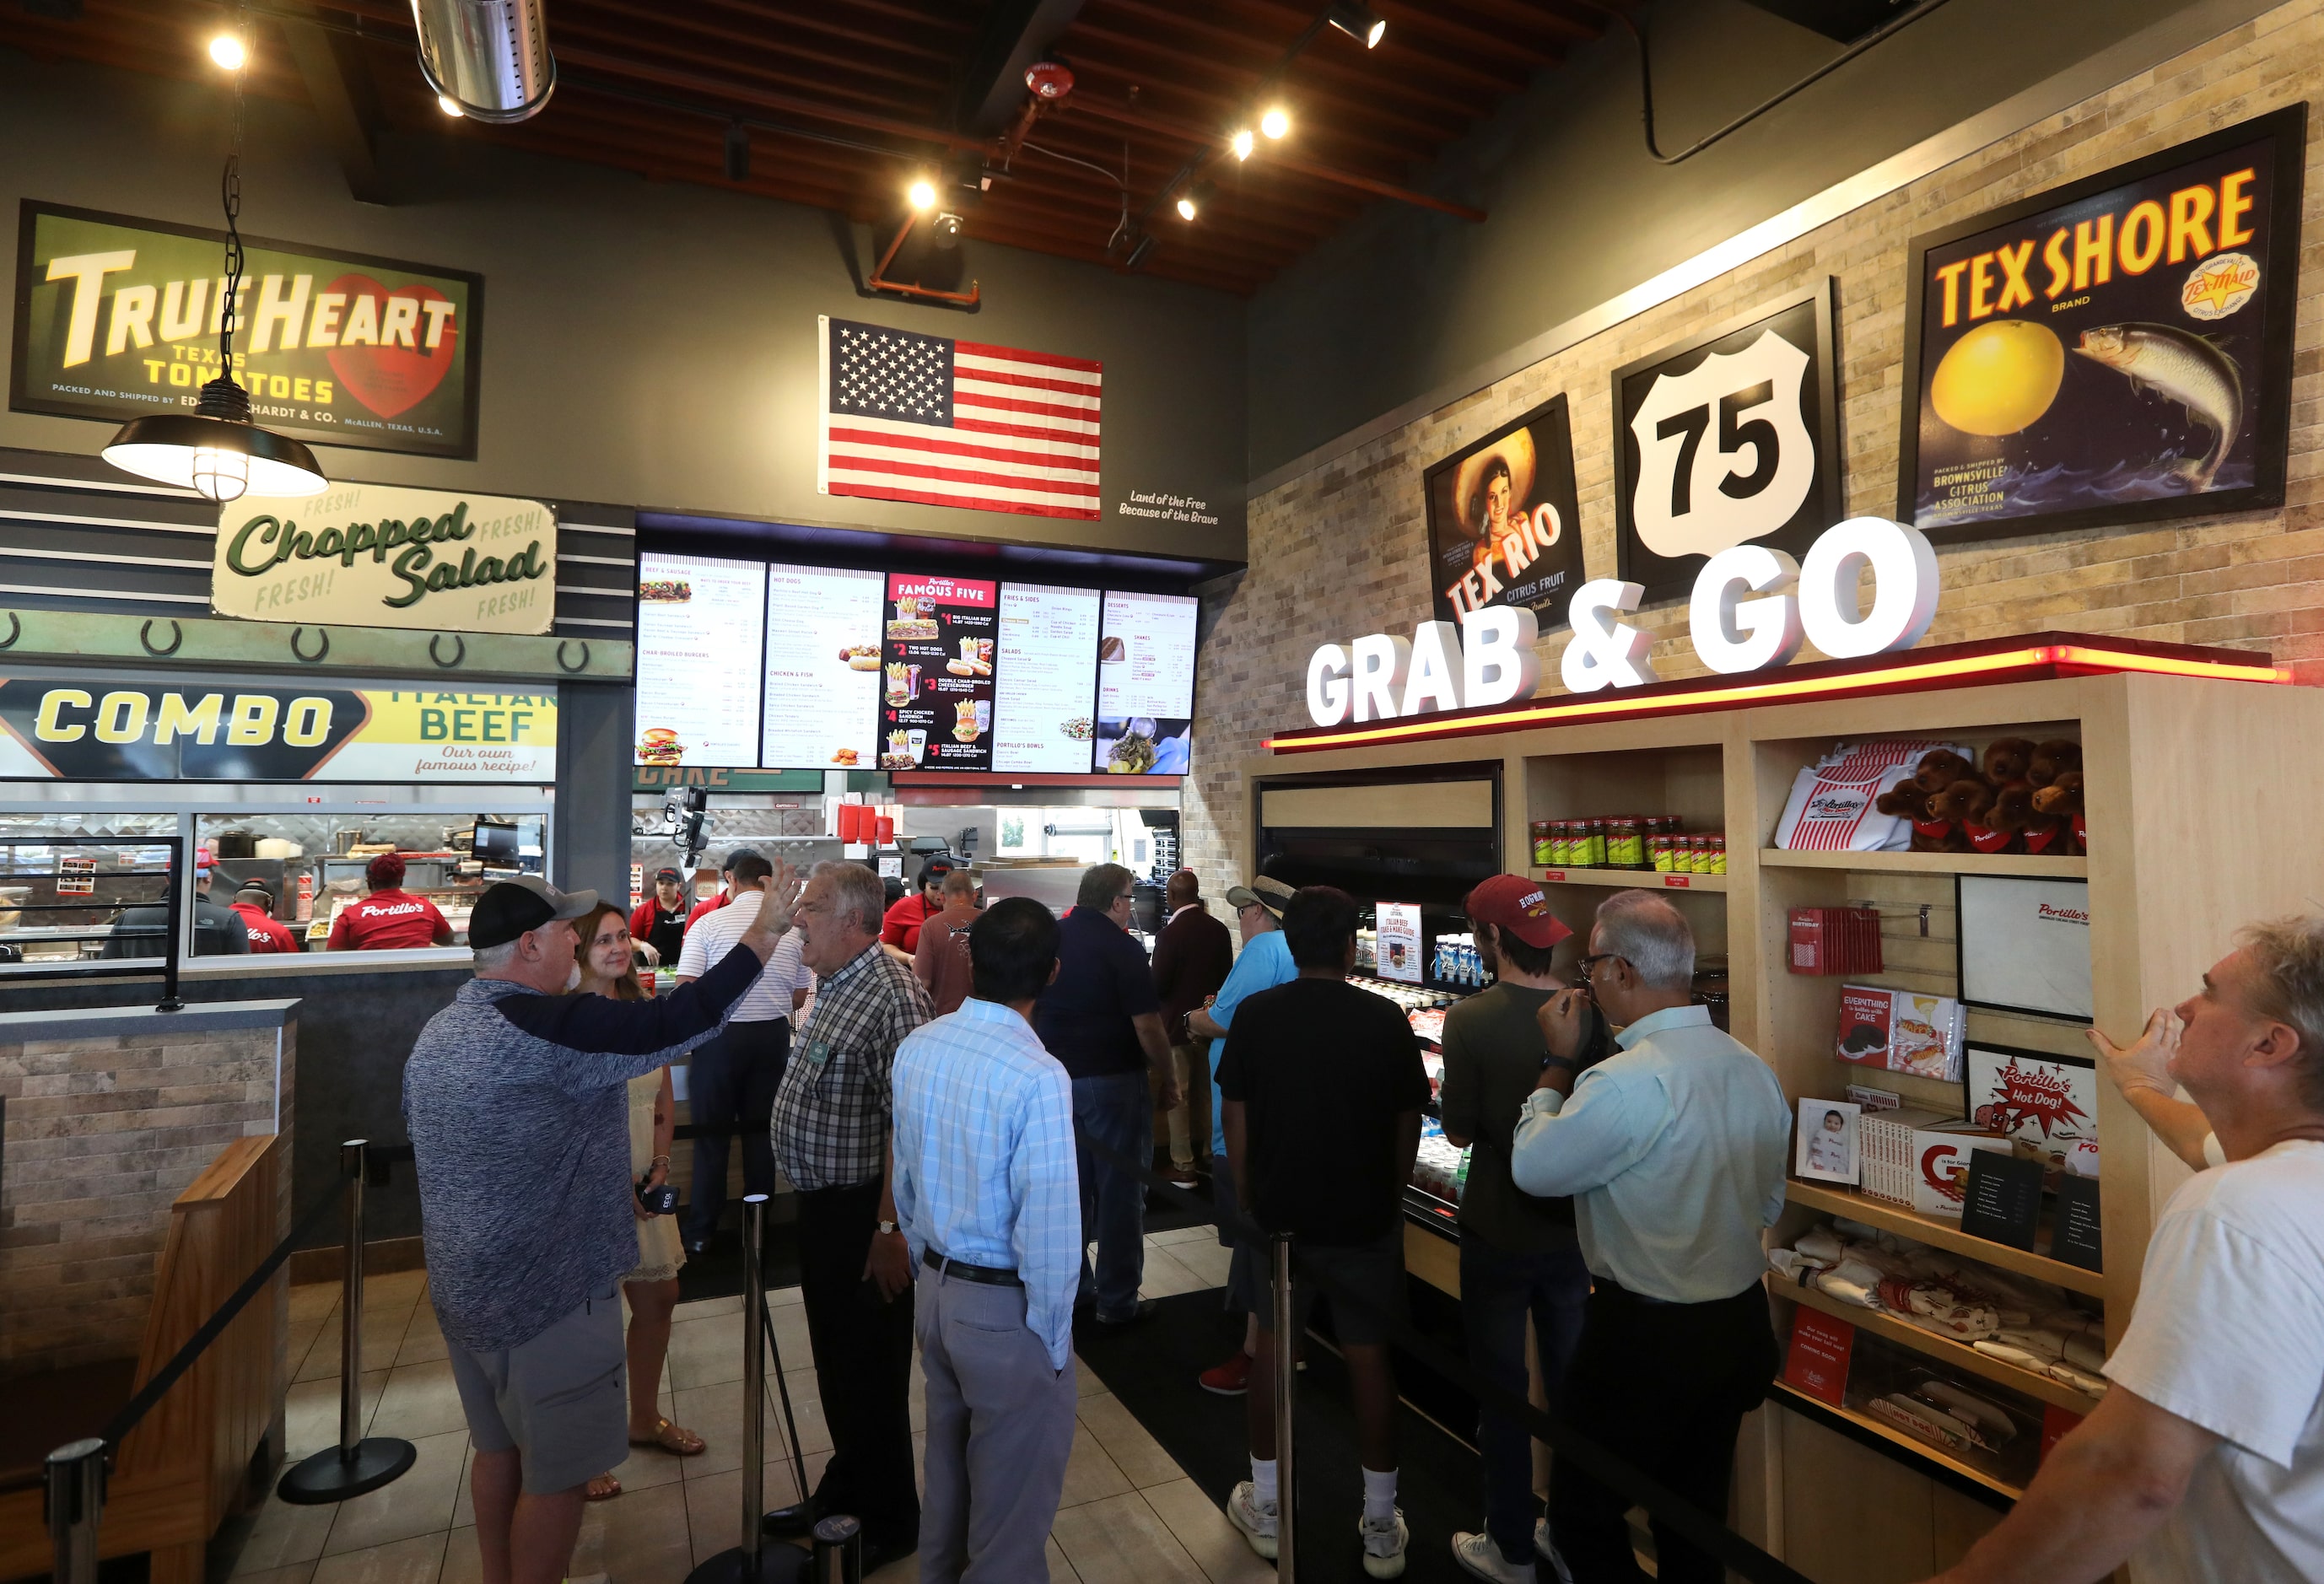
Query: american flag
x=957, y=423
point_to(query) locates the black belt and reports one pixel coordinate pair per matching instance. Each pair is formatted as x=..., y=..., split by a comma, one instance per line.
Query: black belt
x=970, y=1272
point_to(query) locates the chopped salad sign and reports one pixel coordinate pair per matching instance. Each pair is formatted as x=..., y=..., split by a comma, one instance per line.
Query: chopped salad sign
x=117, y=317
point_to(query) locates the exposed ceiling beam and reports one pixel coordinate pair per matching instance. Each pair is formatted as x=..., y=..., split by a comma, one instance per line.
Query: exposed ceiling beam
x=1014, y=35
x=346, y=103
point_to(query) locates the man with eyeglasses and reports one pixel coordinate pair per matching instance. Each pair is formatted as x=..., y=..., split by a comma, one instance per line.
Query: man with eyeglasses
x=1673, y=1151
x=1103, y=1019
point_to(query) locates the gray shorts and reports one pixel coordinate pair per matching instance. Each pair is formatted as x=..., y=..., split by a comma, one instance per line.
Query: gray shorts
x=1370, y=1275
x=559, y=1399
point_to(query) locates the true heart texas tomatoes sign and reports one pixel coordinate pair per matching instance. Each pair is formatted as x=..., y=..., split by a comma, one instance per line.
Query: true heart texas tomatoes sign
x=117, y=317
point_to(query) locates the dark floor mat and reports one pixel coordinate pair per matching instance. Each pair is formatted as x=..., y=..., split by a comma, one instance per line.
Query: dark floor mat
x=1151, y=1368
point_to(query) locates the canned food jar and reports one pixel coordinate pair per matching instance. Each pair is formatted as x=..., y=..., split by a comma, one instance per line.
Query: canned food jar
x=1625, y=845
x=1592, y=853
x=1717, y=855
x=1544, y=839
x=1687, y=855
x=1659, y=850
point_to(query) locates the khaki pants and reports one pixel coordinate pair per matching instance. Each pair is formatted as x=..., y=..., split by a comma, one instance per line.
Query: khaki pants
x=1190, y=1066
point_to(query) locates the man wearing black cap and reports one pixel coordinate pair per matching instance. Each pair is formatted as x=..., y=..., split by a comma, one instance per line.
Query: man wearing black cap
x=515, y=1100
x=658, y=924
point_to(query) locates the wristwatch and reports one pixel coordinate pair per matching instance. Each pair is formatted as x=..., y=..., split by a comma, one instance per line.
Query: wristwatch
x=887, y=1226
x=1568, y=1063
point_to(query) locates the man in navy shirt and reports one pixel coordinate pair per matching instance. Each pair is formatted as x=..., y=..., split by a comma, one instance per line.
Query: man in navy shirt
x=1103, y=1019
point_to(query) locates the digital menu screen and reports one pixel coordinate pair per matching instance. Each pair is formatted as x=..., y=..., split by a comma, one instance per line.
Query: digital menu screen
x=1145, y=685
x=937, y=655
x=823, y=667
x=1046, y=680
x=697, y=614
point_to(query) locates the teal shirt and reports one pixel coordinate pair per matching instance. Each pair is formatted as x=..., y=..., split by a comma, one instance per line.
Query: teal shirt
x=1264, y=963
x=1673, y=1150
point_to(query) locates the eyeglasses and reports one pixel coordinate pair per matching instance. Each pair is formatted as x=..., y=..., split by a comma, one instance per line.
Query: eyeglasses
x=1581, y=966
x=1125, y=896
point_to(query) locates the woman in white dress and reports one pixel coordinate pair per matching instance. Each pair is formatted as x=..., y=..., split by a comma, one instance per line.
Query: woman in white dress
x=607, y=970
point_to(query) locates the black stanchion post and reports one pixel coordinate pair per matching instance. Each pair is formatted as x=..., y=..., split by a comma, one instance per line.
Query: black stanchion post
x=176, y=883
x=838, y=1550
x=1286, y=1374
x=75, y=1497
x=753, y=1562
x=358, y=1464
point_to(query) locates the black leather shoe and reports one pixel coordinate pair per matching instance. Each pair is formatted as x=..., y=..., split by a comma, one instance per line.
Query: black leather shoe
x=791, y=1523
x=1145, y=1311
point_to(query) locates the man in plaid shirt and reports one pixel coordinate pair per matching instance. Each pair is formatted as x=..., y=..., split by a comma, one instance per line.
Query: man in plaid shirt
x=831, y=1137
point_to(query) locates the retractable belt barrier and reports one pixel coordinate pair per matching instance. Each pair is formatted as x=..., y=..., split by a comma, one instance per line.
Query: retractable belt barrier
x=1662, y=1504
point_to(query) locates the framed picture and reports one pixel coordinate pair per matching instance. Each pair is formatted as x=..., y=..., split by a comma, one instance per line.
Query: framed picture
x=1730, y=438
x=1826, y=1147
x=2046, y=1100
x=2112, y=352
x=2025, y=944
x=1503, y=525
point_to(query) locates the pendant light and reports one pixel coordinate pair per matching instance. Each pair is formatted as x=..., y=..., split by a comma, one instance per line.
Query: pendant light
x=216, y=450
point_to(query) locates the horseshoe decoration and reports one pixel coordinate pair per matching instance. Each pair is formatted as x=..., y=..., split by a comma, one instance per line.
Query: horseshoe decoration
x=569, y=670
x=16, y=631
x=315, y=659
x=459, y=649
x=146, y=636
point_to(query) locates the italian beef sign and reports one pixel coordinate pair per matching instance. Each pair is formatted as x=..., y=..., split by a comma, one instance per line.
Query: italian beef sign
x=117, y=317
x=93, y=730
x=370, y=556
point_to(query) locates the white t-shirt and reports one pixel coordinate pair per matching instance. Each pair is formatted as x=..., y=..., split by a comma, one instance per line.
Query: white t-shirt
x=2229, y=1334
x=713, y=936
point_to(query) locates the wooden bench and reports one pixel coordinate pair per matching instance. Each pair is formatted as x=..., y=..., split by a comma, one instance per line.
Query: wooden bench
x=186, y=1466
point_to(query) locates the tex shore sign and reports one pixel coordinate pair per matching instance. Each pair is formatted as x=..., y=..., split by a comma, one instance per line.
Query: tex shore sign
x=372, y=555
x=117, y=317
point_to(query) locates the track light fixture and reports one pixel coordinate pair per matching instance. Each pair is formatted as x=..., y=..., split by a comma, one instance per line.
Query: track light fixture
x=1145, y=245
x=1241, y=143
x=946, y=228
x=1359, y=21
x=228, y=51
x=450, y=105
x=1191, y=202
x=1276, y=121
x=922, y=194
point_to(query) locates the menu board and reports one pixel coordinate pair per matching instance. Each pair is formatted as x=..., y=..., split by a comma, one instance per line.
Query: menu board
x=823, y=669
x=1047, y=679
x=1145, y=685
x=939, y=644
x=697, y=614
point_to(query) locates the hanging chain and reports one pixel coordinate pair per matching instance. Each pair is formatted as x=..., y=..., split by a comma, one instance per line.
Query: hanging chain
x=230, y=197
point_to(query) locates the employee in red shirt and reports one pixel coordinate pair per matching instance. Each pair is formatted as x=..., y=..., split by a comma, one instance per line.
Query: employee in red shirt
x=901, y=928
x=255, y=905
x=725, y=886
x=388, y=918
x=658, y=923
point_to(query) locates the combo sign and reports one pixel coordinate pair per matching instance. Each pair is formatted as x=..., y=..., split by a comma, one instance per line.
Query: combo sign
x=1752, y=608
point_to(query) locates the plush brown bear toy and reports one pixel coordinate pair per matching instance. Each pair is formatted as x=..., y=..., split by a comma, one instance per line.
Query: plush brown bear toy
x=1938, y=769
x=2061, y=800
x=2051, y=760
x=1910, y=800
x=1969, y=802
x=2029, y=829
x=2006, y=759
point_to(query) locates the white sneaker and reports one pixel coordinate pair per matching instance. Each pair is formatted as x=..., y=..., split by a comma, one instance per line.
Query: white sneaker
x=1256, y=1521
x=1542, y=1546
x=1384, y=1542
x=1480, y=1556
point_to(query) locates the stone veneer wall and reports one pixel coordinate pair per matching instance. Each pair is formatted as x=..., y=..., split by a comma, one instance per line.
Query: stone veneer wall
x=1342, y=550
x=104, y=1132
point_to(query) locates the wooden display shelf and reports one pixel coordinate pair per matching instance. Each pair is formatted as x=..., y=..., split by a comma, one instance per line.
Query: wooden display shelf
x=1943, y=1348
x=1943, y=1234
x=1645, y=879
x=1790, y=1395
x=1929, y=862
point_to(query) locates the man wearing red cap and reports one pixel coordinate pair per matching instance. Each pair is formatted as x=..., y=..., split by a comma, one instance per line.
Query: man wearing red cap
x=390, y=917
x=1520, y=1255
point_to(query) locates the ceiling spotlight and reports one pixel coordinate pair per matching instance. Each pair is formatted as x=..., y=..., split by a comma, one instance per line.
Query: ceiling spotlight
x=1191, y=202
x=1276, y=121
x=946, y=228
x=1357, y=20
x=1145, y=245
x=922, y=194
x=448, y=105
x=1241, y=143
x=226, y=50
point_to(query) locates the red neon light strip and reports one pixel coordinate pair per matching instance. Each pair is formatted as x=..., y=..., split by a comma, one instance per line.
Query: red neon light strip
x=1795, y=689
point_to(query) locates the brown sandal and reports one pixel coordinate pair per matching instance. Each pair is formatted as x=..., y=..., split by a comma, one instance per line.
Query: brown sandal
x=604, y=1488
x=671, y=1439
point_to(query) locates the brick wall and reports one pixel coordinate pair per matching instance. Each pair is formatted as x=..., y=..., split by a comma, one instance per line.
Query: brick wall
x=103, y=1133
x=1342, y=550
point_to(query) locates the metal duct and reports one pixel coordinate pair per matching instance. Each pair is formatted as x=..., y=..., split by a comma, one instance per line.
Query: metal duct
x=489, y=57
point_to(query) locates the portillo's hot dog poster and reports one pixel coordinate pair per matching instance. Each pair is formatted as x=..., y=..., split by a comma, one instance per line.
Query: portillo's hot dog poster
x=118, y=317
x=2115, y=351
x=1503, y=528
x=100, y=729
x=936, y=685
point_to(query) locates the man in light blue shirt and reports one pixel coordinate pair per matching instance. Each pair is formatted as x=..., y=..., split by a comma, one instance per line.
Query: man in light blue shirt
x=989, y=1198
x=1673, y=1152
x=1264, y=962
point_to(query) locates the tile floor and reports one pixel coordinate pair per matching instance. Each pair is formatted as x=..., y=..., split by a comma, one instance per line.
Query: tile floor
x=1128, y=1513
